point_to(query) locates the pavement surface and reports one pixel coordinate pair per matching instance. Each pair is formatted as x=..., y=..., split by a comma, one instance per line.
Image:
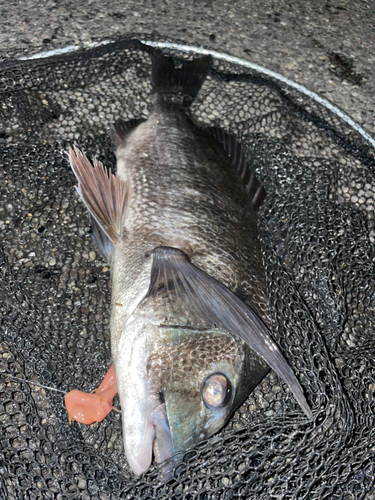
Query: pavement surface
x=327, y=46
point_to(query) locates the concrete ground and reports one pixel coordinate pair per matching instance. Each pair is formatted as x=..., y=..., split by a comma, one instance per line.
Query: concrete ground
x=325, y=45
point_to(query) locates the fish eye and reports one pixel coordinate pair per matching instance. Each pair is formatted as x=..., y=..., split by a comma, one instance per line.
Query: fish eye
x=216, y=390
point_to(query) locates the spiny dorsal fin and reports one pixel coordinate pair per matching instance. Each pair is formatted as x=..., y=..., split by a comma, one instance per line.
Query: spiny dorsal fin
x=191, y=289
x=105, y=195
x=234, y=151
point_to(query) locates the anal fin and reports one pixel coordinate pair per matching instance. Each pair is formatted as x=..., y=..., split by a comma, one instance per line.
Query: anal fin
x=105, y=196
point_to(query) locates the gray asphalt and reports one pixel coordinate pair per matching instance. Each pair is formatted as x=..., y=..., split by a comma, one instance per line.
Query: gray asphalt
x=327, y=46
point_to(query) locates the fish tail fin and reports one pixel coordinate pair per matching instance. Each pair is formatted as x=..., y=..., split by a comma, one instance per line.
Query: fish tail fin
x=181, y=84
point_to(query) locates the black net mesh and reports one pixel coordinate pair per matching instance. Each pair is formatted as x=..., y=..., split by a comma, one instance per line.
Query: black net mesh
x=317, y=231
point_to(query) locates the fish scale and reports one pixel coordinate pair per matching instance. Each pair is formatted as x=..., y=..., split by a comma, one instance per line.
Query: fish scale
x=214, y=226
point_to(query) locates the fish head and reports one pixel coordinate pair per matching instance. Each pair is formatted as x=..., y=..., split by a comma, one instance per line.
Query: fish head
x=179, y=381
x=204, y=383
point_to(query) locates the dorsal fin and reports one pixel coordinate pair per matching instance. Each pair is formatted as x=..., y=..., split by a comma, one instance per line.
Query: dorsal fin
x=234, y=151
x=105, y=196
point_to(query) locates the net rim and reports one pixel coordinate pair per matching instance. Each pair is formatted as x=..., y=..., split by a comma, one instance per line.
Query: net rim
x=221, y=56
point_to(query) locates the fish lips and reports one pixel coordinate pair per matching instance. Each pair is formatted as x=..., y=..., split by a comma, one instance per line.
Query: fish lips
x=155, y=438
x=162, y=444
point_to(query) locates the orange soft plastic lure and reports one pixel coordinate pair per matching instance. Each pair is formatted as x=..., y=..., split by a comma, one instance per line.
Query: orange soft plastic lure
x=89, y=408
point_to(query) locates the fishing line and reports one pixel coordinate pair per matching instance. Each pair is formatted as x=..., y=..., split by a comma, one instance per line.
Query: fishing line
x=33, y=383
x=45, y=387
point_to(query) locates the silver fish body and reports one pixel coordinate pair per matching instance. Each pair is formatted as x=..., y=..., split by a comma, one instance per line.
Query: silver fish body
x=181, y=237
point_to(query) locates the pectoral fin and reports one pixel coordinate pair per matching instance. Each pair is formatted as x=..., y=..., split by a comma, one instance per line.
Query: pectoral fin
x=105, y=196
x=185, y=284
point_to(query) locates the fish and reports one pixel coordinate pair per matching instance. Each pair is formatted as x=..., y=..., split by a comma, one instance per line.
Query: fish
x=190, y=327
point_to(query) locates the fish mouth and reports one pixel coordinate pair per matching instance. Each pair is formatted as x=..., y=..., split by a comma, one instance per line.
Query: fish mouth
x=162, y=445
x=157, y=440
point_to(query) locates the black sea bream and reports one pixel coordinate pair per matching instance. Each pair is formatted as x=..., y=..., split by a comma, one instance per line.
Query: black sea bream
x=180, y=233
